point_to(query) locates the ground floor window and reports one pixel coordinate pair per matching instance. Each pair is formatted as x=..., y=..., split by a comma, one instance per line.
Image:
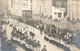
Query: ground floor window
x=55, y=13
x=27, y=13
x=59, y=14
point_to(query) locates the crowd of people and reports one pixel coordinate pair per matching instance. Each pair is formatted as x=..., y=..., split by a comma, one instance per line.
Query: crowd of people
x=52, y=31
x=21, y=32
x=33, y=43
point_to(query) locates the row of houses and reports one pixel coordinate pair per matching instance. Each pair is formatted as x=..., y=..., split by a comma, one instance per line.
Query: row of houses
x=32, y=8
x=73, y=9
x=19, y=7
x=54, y=9
x=42, y=7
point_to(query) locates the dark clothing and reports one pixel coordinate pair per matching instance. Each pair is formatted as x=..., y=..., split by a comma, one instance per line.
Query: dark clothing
x=44, y=49
x=32, y=34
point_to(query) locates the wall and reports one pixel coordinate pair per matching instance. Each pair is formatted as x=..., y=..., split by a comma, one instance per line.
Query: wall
x=73, y=9
x=42, y=8
x=57, y=10
x=17, y=6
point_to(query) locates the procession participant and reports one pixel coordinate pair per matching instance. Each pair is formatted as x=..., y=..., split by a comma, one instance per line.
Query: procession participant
x=32, y=33
x=41, y=29
x=29, y=42
x=38, y=45
x=34, y=45
x=44, y=49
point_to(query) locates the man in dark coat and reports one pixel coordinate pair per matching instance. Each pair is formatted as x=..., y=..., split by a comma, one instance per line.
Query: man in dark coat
x=44, y=49
x=32, y=34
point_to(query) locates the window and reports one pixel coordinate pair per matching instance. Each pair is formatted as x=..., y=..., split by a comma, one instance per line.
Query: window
x=31, y=1
x=43, y=1
x=23, y=4
x=65, y=14
x=12, y=3
x=59, y=14
x=31, y=7
x=55, y=13
x=58, y=0
x=24, y=13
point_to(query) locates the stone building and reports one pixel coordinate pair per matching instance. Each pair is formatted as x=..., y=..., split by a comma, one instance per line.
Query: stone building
x=42, y=8
x=60, y=8
x=73, y=9
x=60, y=3
x=58, y=13
x=20, y=7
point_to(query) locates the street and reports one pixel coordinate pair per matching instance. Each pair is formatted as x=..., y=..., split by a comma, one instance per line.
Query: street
x=43, y=42
x=17, y=45
x=40, y=37
x=39, y=25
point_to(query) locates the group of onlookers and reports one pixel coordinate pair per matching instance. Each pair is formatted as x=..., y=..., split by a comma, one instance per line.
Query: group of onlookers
x=51, y=30
x=33, y=43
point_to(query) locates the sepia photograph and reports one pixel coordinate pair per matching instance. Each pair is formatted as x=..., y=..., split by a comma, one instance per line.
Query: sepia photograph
x=39, y=25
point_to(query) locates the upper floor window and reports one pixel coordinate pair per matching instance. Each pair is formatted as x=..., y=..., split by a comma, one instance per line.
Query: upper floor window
x=55, y=13
x=43, y=1
x=31, y=1
x=12, y=2
x=59, y=14
x=59, y=0
x=24, y=4
x=31, y=7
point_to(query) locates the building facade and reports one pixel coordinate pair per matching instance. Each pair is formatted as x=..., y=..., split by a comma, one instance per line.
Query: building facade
x=59, y=9
x=4, y=4
x=73, y=9
x=42, y=8
x=58, y=13
x=60, y=3
x=38, y=9
x=20, y=7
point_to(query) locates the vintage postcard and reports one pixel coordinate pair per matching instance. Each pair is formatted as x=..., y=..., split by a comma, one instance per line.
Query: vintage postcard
x=39, y=25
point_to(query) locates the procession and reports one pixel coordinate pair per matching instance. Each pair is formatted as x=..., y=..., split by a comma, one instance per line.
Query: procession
x=39, y=25
x=25, y=34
